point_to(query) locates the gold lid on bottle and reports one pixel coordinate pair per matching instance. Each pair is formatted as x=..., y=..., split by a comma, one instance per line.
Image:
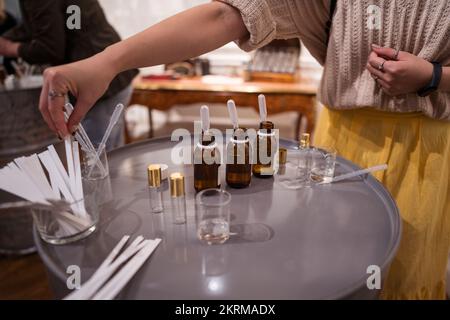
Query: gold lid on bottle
x=177, y=185
x=305, y=140
x=154, y=175
x=282, y=154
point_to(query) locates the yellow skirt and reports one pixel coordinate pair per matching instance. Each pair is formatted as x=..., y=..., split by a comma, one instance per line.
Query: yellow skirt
x=417, y=151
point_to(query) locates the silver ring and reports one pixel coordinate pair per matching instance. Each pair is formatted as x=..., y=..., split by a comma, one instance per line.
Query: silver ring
x=54, y=94
x=381, y=66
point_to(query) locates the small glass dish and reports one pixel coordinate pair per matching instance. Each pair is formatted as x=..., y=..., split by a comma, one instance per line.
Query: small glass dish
x=213, y=216
x=323, y=163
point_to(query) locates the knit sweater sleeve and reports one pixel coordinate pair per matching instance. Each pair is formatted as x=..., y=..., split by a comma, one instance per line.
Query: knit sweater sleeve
x=265, y=21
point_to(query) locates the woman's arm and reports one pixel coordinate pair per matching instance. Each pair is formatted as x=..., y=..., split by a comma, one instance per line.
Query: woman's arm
x=188, y=34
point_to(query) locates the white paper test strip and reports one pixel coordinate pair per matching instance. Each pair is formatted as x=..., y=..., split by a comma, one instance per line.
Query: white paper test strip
x=57, y=164
x=106, y=269
x=18, y=183
x=70, y=166
x=119, y=281
x=54, y=185
x=11, y=186
x=57, y=178
x=32, y=167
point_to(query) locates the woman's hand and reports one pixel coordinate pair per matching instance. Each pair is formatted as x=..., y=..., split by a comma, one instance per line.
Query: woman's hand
x=86, y=80
x=401, y=73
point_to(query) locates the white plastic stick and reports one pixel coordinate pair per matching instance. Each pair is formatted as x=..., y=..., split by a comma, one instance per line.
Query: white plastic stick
x=119, y=281
x=233, y=113
x=359, y=173
x=262, y=108
x=204, y=115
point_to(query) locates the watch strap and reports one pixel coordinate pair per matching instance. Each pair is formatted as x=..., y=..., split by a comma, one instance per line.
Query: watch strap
x=435, y=80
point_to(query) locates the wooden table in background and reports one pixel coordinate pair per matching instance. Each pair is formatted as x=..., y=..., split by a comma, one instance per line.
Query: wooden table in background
x=281, y=97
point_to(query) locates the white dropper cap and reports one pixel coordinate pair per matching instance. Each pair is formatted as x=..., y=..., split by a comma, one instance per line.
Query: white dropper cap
x=262, y=108
x=233, y=113
x=204, y=115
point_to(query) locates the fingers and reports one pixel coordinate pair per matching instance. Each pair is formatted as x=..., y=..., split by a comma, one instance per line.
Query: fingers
x=77, y=115
x=379, y=63
x=43, y=107
x=377, y=73
x=55, y=109
x=382, y=79
x=389, y=53
x=52, y=106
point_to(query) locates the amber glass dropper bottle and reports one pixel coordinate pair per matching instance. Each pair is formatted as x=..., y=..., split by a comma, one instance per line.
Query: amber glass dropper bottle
x=239, y=168
x=206, y=157
x=266, y=144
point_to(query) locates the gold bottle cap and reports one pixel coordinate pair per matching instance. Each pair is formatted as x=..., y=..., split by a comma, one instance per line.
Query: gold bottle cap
x=282, y=153
x=177, y=185
x=305, y=140
x=154, y=175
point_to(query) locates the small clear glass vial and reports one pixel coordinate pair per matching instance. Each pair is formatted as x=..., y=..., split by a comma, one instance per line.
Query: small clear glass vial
x=239, y=167
x=178, y=198
x=304, y=159
x=154, y=188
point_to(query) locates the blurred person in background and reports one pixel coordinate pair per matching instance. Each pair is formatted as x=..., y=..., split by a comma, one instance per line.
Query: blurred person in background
x=43, y=38
x=7, y=22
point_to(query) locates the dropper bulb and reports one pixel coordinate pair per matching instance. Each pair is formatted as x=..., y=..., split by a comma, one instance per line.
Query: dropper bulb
x=204, y=115
x=233, y=113
x=262, y=107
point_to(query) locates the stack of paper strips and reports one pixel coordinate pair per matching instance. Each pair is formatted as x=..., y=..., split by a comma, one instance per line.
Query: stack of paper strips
x=107, y=281
x=43, y=180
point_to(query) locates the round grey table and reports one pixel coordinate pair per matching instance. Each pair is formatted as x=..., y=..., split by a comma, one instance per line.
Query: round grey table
x=312, y=243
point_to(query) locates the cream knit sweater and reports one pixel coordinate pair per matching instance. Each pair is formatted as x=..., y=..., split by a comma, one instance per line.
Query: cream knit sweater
x=421, y=27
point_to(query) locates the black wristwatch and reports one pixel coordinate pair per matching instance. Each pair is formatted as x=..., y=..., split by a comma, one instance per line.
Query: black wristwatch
x=435, y=81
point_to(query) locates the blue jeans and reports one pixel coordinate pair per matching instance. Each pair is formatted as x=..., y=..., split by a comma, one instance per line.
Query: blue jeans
x=97, y=119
